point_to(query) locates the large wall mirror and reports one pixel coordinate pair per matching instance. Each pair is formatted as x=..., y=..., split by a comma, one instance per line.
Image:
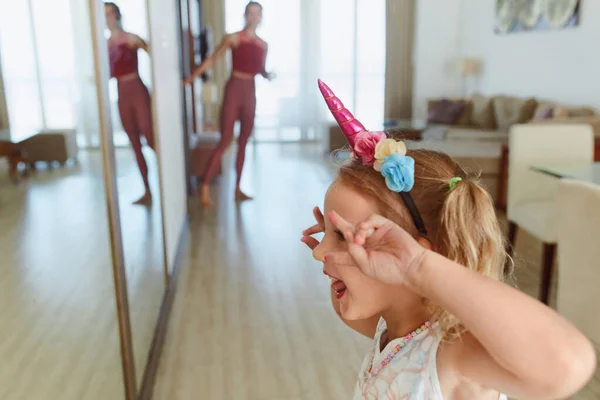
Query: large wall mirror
x=82, y=244
x=137, y=163
x=60, y=331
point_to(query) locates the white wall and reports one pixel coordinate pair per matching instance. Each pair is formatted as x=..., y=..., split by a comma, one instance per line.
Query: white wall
x=166, y=96
x=436, y=48
x=561, y=65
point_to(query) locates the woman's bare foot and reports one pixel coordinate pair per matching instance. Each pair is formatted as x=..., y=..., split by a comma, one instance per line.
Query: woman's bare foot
x=146, y=199
x=205, y=198
x=241, y=196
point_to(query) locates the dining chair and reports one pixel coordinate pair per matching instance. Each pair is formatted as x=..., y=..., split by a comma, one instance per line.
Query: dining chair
x=531, y=195
x=578, y=216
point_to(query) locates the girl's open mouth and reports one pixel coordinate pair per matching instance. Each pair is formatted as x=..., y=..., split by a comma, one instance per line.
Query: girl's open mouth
x=338, y=286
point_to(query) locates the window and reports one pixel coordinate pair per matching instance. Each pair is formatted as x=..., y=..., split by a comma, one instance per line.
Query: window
x=353, y=55
x=38, y=67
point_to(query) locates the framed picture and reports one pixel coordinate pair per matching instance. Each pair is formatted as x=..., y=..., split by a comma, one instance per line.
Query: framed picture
x=514, y=16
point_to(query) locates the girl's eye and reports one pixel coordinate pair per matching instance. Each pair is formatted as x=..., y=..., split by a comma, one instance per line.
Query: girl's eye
x=340, y=235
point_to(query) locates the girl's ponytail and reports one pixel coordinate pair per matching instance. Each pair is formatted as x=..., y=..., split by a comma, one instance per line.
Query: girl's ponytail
x=469, y=231
x=469, y=234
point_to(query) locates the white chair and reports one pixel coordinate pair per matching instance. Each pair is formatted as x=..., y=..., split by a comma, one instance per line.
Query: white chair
x=578, y=216
x=532, y=195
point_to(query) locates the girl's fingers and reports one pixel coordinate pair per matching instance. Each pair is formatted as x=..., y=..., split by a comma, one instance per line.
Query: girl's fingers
x=310, y=241
x=367, y=229
x=319, y=216
x=313, y=230
x=375, y=221
x=342, y=225
x=362, y=235
x=359, y=255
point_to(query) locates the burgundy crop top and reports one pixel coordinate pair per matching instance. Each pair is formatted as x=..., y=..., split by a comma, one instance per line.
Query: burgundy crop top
x=249, y=55
x=122, y=57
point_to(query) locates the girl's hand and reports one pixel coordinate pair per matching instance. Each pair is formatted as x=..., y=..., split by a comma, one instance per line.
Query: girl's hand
x=380, y=248
x=319, y=227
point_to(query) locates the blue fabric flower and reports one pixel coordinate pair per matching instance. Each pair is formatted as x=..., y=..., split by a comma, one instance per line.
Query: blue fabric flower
x=399, y=172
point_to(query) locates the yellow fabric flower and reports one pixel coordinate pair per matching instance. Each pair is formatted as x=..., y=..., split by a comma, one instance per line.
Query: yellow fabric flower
x=377, y=165
x=388, y=147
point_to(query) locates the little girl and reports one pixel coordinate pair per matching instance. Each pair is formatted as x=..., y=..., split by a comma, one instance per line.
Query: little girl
x=416, y=258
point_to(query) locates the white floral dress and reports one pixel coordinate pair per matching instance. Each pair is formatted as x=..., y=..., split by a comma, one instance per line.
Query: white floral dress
x=410, y=375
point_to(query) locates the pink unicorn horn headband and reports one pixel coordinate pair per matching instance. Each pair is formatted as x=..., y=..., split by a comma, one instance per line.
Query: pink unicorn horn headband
x=351, y=127
x=385, y=155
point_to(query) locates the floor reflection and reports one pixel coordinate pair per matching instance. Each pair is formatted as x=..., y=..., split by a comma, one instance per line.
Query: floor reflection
x=59, y=336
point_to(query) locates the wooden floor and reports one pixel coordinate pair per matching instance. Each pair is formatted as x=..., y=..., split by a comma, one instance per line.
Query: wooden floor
x=252, y=317
x=59, y=335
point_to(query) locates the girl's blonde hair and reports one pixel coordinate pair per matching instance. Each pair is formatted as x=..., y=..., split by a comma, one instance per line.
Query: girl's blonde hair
x=461, y=222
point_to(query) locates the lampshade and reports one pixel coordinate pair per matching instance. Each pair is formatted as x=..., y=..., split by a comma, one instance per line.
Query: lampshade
x=468, y=66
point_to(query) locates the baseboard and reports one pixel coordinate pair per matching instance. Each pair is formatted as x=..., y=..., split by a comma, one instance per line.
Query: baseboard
x=160, y=331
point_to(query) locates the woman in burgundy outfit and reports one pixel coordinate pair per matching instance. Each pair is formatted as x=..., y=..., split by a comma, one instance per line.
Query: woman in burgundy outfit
x=134, y=98
x=248, y=54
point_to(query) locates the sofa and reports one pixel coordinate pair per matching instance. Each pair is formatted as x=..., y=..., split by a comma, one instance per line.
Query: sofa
x=475, y=131
x=490, y=118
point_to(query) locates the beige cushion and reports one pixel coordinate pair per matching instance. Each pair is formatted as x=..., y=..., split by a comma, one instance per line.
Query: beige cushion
x=572, y=112
x=512, y=110
x=593, y=122
x=482, y=112
x=560, y=112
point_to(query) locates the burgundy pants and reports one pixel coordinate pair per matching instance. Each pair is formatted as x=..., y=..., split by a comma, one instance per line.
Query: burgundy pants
x=239, y=103
x=136, y=118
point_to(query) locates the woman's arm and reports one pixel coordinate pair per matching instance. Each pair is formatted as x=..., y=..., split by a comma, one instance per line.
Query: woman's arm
x=514, y=343
x=227, y=42
x=263, y=72
x=137, y=42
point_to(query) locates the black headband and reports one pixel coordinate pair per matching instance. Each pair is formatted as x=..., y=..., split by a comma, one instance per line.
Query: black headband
x=414, y=212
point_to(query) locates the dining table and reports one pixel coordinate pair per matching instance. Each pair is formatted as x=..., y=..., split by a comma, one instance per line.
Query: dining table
x=587, y=173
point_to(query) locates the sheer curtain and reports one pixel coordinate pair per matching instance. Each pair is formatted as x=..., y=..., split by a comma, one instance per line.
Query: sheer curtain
x=38, y=62
x=340, y=41
x=19, y=66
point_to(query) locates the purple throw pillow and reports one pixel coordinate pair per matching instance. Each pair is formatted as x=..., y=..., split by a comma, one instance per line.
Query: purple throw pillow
x=546, y=113
x=446, y=112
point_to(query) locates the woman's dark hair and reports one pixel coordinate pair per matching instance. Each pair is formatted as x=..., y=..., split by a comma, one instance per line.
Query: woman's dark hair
x=250, y=4
x=115, y=8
